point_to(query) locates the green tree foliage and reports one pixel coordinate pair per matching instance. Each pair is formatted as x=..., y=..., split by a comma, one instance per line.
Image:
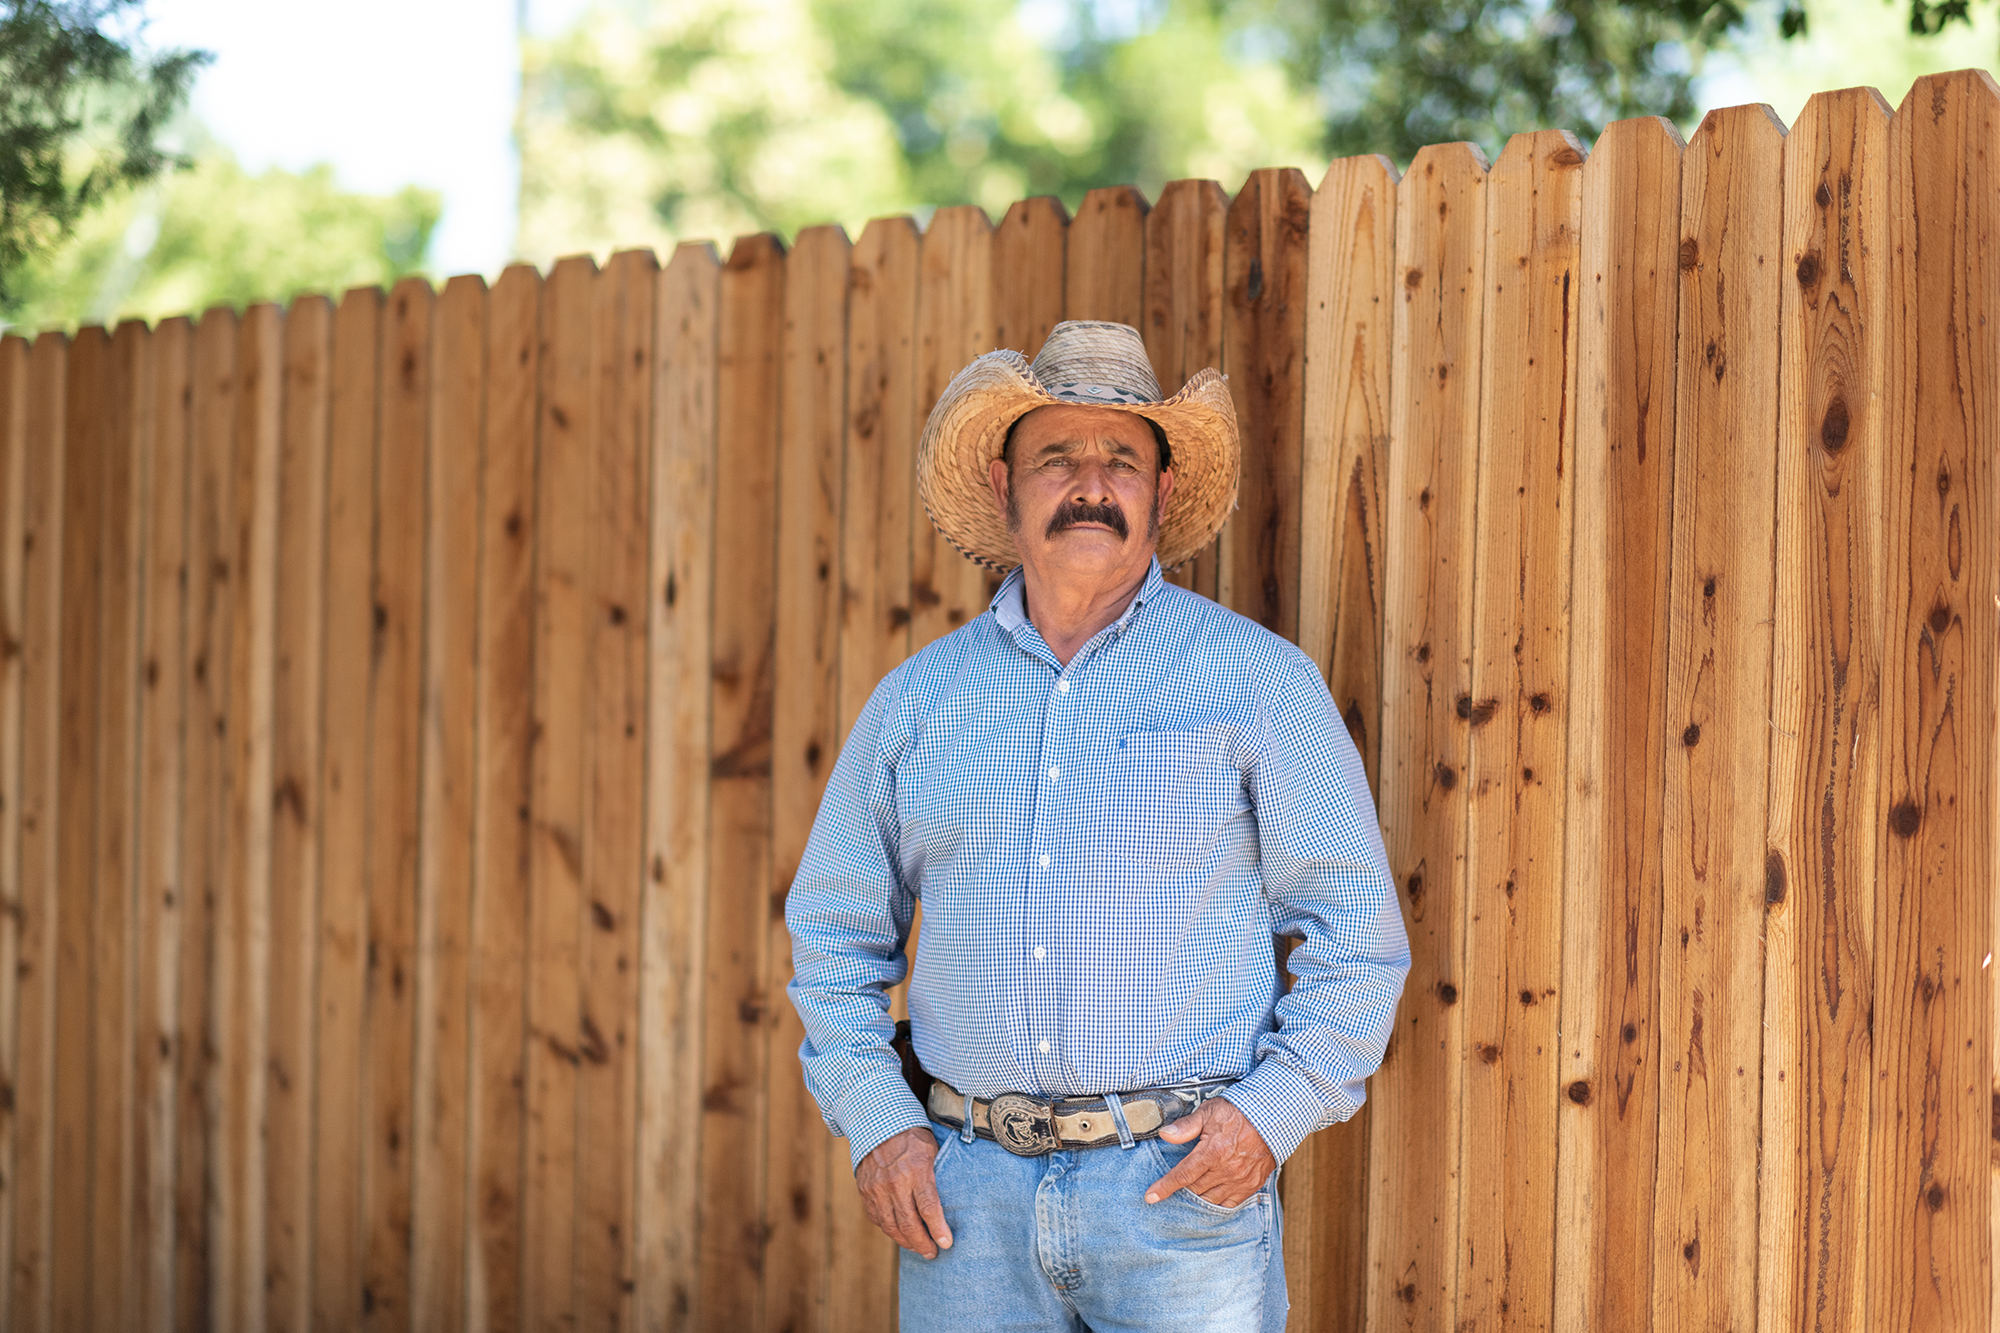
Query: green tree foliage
x=81, y=114
x=645, y=124
x=217, y=235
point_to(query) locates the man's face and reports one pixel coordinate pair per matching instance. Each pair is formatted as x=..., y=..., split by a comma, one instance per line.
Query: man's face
x=1084, y=492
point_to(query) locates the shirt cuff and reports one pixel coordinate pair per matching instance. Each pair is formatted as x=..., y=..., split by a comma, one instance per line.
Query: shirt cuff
x=877, y=1113
x=1282, y=1105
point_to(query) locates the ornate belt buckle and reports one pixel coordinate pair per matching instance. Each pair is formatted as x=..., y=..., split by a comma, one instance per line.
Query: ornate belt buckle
x=1022, y=1125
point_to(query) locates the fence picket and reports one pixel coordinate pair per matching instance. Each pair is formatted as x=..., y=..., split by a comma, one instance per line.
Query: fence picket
x=672, y=971
x=14, y=451
x=504, y=834
x=804, y=742
x=1930, y=1181
x=299, y=645
x=735, y=1097
x=1519, y=709
x=439, y=1125
x=1718, y=691
x=1350, y=258
x=564, y=611
x=70, y=1137
x=878, y=509
x=1825, y=721
x=1608, y=1126
x=113, y=944
x=1263, y=325
x=1106, y=274
x=1428, y=513
x=1028, y=273
x=338, y=1231
x=954, y=324
x=1182, y=319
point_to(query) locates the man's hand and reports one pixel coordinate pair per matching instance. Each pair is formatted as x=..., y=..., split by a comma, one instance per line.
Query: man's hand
x=1229, y=1164
x=900, y=1191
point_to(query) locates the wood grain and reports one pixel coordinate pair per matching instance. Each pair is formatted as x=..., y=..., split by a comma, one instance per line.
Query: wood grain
x=338, y=1231
x=735, y=1056
x=614, y=841
x=564, y=615
x=1263, y=336
x=879, y=506
x=1930, y=1177
x=804, y=743
x=671, y=999
x=1516, y=768
x=1028, y=267
x=297, y=666
x=1628, y=308
x=164, y=473
x=1825, y=715
x=1106, y=274
x=1182, y=317
x=73, y=1167
x=450, y=699
x=1415, y=1114
x=503, y=841
x=1350, y=309
x=954, y=324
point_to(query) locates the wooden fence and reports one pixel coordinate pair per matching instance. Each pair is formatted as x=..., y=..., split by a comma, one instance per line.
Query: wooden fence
x=412, y=710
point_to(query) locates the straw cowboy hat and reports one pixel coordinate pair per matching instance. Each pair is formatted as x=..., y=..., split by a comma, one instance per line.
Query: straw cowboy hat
x=1084, y=362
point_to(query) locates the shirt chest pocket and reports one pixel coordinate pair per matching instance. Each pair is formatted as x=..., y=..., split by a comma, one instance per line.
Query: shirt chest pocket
x=1166, y=800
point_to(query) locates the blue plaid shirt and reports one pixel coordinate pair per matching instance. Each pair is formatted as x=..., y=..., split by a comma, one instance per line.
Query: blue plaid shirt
x=1103, y=852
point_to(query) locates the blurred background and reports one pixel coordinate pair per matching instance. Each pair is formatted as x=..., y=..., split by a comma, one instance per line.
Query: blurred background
x=161, y=156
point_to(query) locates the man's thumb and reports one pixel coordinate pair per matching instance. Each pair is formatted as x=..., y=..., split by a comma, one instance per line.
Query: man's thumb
x=1187, y=1127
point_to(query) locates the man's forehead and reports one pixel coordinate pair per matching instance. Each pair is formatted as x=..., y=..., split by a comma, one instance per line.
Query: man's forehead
x=1062, y=426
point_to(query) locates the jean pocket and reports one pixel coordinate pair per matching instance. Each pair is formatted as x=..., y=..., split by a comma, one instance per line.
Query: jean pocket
x=1170, y=1155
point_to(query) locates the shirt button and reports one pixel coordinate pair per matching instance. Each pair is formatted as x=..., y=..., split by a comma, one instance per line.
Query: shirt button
x=1045, y=863
x=1040, y=952
x=1045, y=1048
x=1055, y=773
x=1063, y=685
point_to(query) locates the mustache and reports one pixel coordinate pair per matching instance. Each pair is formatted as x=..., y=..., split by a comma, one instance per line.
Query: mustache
x=1069, y=513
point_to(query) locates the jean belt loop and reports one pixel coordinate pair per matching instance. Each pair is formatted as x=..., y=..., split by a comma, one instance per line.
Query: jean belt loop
x=965, y=1133
x=1118, y=1118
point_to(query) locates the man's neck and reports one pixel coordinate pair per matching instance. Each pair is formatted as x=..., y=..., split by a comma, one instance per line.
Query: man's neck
x=1069, y=612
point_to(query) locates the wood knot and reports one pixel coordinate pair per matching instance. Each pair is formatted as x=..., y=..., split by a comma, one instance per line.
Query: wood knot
x=1808, y=270
x=1692, y=736
x=1447, y=992
x=1488, y=1052
x=1904, y=816
x=1833, y=426
x=1822, y=196
x=1579, y=1092
x=1774, y=878
x=1447, y=778
x=1630, y=1032
x=1538, y=704
x=1690, y=253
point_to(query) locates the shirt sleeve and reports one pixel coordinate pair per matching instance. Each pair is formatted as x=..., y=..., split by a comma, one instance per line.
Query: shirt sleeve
x=849, y=914
x=1327, y=878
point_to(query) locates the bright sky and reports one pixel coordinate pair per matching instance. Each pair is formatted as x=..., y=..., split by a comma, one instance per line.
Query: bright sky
x=396, y=92
x=391, y=92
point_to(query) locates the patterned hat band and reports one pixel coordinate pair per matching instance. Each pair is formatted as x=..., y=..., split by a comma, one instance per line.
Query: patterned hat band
x=1098, y=393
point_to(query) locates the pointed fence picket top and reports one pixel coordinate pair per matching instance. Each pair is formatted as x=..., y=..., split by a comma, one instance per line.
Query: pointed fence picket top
x=414, y=706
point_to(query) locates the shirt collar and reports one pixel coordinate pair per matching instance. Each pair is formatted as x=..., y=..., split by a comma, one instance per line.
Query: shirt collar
x=1010, y=604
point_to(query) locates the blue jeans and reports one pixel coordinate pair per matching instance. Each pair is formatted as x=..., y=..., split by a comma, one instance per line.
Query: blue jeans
x=1068, y=1242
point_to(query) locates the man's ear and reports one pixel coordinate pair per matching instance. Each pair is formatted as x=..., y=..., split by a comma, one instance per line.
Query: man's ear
x=996, y=476
x=1162, y=491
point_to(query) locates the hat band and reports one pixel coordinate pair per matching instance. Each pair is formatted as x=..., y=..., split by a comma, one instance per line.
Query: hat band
x=1099, y=393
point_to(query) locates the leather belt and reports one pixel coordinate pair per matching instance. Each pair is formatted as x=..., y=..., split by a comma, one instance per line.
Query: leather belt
x=1034, y=1126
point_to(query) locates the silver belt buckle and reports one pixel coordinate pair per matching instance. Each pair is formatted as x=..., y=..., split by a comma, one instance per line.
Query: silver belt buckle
x=1022, y=1124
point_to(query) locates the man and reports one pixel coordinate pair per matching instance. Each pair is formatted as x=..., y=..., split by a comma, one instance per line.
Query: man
x=1108, y=794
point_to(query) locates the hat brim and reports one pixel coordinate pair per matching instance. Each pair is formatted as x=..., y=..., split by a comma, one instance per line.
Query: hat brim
x=967, y=429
